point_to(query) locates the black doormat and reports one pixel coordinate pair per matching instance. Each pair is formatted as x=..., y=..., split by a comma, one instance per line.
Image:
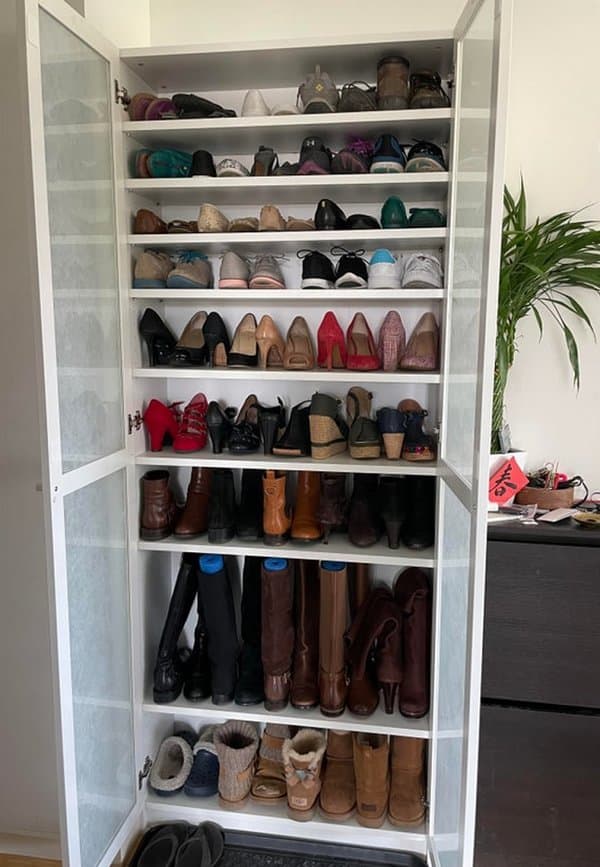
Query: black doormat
x=262, y=850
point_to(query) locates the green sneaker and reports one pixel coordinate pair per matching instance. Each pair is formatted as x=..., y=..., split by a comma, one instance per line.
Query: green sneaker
x=393, y=214
x=426, y=218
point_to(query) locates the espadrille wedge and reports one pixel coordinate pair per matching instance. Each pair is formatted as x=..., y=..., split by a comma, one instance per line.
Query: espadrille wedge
x=363, y=439
x=328, y=430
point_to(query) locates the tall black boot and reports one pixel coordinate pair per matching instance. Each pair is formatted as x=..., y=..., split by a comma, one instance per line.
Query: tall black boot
x=168, y=670
x=249, y=688
x=216, y=594
x=418, y=530
x=197, y=668
x=221, y=507
x=249, y=524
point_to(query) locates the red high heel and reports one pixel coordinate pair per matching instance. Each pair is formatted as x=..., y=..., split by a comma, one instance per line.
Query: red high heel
x=193, y=431
x=161, y=422
x=362, y=354
x=331, y=343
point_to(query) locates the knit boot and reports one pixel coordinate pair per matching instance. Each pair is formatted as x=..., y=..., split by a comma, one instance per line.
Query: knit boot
x=249, y=688
x=302, y=759
x=216, y=593
x=333, y=613
x=407, y=789
x=305, y=690
x=338, y=795
x=168, y=670
x=236, y=742
x=371, y=753
x=268, y=784
x=277, y=641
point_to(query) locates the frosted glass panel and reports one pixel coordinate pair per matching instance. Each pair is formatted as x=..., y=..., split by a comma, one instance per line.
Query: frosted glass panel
x=471, y=239
x=76, y=88
x=453, y=596
x=95, y=528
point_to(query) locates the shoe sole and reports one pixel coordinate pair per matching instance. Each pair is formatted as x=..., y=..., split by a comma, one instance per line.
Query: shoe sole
x=144, y=283
x=421, y=281
x=184, y=283
x=366, y=452
x=318, y=106
x=383, y=283
x=350, y=282
x=316, y=283
x=392, y=103
x=265, y=283
x=424, y=164
x=386, y=167
x=233, y=283
x=220, y=536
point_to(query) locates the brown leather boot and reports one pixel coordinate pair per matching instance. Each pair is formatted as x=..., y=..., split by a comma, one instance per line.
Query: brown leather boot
x=277, y=515
x=277, y=639
x=413, y=595
x=305, y=691
x=371, y=753
x=407, y=785
x=332, y=626
x=302, y=760
x=363, y=690
x=360, y=586
x=338, y=794
x=333, y=504
x=159, y=511
x=194, y=518
x=305, y=526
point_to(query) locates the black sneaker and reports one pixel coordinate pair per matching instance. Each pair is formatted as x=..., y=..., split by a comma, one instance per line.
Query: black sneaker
x=317, y=270
x=315, y=158
x=351, y=270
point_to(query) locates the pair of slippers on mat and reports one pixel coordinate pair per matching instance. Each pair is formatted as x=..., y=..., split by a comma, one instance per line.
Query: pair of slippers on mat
x=179, y=844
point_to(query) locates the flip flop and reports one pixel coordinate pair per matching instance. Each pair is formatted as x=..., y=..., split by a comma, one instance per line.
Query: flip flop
x=160, y=844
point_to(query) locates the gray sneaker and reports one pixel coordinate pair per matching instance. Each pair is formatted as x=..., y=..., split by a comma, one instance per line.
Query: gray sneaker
x=318, y=93
x=234, y=272
x=266, y=274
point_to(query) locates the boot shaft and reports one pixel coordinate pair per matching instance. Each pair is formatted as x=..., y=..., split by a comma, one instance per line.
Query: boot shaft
x=305, y=524
x=276, y=513
x=277, y=580
x=158, y=502
x=333, y=504
x=236, y=743
x=194, y=518
x=217, y=596
x=304, y=693
x=222, y=499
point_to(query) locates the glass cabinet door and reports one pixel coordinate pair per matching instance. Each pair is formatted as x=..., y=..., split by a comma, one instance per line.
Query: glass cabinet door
x=70, y=77
x=472, y=267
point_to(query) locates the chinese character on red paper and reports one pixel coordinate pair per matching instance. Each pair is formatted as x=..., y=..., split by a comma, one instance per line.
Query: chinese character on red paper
x=507, y=481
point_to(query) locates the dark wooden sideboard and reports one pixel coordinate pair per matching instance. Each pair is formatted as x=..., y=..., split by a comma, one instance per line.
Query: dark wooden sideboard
x=539, y=759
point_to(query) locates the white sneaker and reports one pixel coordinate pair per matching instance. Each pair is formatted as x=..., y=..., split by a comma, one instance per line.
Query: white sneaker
x=384, y=271
x=255, y=105
x=422, y=271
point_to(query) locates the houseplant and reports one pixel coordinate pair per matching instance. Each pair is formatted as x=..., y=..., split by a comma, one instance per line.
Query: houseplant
x=544, y=266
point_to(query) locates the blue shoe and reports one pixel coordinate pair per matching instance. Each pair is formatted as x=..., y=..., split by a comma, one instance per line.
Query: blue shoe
x=204, y=777
x=168, y=163
x=388, y=155
x=425, y=157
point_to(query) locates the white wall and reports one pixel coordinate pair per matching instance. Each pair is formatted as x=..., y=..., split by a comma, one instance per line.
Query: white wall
x=553, y=138
x=124, y=22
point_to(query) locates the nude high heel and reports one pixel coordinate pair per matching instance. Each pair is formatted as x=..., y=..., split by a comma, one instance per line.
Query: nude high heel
x=271, y=346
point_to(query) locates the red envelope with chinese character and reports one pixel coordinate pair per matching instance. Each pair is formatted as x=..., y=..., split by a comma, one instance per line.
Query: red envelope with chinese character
x=506, y=481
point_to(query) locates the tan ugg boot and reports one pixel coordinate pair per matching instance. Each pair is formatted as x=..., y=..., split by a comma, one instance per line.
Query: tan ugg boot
x=338, y=794
x=236, y=743
x=407, y=786
x=302, y=759
x=268, y=784
x=371, y=753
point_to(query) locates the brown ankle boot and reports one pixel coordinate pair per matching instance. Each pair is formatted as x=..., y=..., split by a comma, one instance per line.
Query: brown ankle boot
x=194, y=518
x=407, y=785
x=268, y=784
x=360, y=586
x=413, y=595
x=332, y=626
x=371, y=753
x=159, y=511
x=338, y=795
x=302, y=759
x=277, y=515
x=277, y=638
x=236, y=743
x=305, y=526
x=333, y=504
x=305, y=691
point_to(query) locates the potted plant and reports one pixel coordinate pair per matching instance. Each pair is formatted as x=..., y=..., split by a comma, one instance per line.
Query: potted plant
x=544, y=266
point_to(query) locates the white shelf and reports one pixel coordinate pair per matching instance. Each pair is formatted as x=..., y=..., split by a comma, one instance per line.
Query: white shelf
x=405, y=239
x=338, y=464
x=413, y=187
x=273, y=819
x=219, y=296
x=339, y=548
x=251, y=374
x=378, y=722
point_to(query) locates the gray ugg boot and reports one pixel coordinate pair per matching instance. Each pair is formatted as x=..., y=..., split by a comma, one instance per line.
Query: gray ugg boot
x=236, y=743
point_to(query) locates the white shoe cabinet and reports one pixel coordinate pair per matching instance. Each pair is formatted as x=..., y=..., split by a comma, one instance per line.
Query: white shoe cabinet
x=109, y=591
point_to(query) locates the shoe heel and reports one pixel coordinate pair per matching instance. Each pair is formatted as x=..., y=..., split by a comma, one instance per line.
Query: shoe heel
x=157, y=438
x=390, y=691
x=216, y=433
x=392, y=529
x=268, y=431
x=215, y=351
x=392, y=443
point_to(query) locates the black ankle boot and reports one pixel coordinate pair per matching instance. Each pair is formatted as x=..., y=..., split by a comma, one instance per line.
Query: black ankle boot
x=197, y=669
x=392, y=496
x=364, y=525
x=221, y=507
x=249, y=523
x=418, y=530
x=249, y=688
x=216, y=595
x=271, y=422
x=168, y=670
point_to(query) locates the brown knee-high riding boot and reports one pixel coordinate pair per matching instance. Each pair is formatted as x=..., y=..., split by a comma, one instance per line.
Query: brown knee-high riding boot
x=413, y=595
x=332, y=626
x=360, y=586
x=277, y=640
x=305, y=690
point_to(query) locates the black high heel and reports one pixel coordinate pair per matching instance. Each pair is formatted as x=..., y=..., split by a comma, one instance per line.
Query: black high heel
x=158, y=337
x=217, y=340
x=219, y=426
x=271, y=420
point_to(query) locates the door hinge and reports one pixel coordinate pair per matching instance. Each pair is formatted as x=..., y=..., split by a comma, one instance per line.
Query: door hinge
x=134, y=422
x=147, y=767
x=121, y=95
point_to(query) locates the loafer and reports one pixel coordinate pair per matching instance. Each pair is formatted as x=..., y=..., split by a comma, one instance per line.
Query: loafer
x=203, y=164
x=329, y=216
x=362, y=221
